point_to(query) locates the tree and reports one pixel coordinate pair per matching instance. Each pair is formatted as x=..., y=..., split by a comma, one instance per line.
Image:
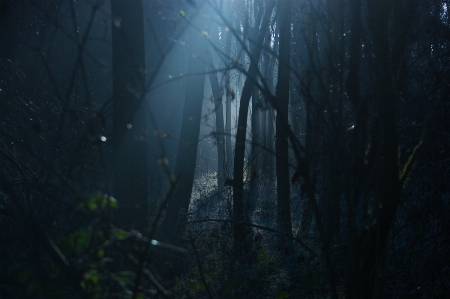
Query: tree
x=269, y=64
x=189, y=136
x=130, y=125
x=284, y=221
x=240, y=244
x=220, y=130
x=388, y=171
x=229, y=94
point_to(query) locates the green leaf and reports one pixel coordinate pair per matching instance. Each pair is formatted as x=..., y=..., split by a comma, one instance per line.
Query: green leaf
x=113, y=202
x=93, y=276
x=126, y=275
x=91, y=205
x=120, y=234
x=97, y=200
x=104, y=201
x=81, y=241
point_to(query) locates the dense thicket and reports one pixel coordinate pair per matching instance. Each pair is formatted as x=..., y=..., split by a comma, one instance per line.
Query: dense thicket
x=224, y=149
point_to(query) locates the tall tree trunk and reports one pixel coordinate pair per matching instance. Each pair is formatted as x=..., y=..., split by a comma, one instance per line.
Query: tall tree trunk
x=238, y=192
x=189, y=136
x=311, y=128
x=295, y=100
x=263, y=136
x=229, y=97
x=388, y=170
x=130, y=126
x=270, y=143
x=255, y=156
x=220, y=130
x=352, y=85
x=270, y=157
x=332, y=134
x=264, y=104
x=284, y=220
x=255, y=123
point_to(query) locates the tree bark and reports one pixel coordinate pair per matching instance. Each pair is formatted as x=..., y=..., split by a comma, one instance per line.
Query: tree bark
x=270, y=115
x=229, y=98
x=220, y=130
x=354, y=280
x=284, y=219
x=388, y=175
x=240, y=245
x=255, y=156
x=130, y=135
x=189, y=136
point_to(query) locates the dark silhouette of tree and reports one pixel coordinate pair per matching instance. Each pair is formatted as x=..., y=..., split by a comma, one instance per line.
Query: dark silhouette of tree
x=240, y=235
x=229, y=94
x=189, y=136
x=220, y=128
x=130, y=125
x=270, y=62
x=386, y=139
x=284, y=221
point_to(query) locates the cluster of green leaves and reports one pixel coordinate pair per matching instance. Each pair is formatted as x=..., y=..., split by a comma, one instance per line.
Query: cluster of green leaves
x=98, y=202
x=94, y=260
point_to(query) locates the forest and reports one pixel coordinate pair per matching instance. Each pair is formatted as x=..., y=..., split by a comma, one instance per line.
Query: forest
x=224, y=149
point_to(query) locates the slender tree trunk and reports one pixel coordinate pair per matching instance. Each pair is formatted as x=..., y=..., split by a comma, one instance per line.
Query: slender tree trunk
x=229, y=97
x=388, y=176
x=354, y=280
x=271, y=114
x=332, y=134
x=263, y=136
x=284, y=220
x=130, y=126
x=295, y=100
x=189, y=136
x=270, y=156
x=311, y=136
x=268, y=79
x=255, y=123
x=294, y=104
x=238, y=192
x=220, y=130
x=255, y=156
